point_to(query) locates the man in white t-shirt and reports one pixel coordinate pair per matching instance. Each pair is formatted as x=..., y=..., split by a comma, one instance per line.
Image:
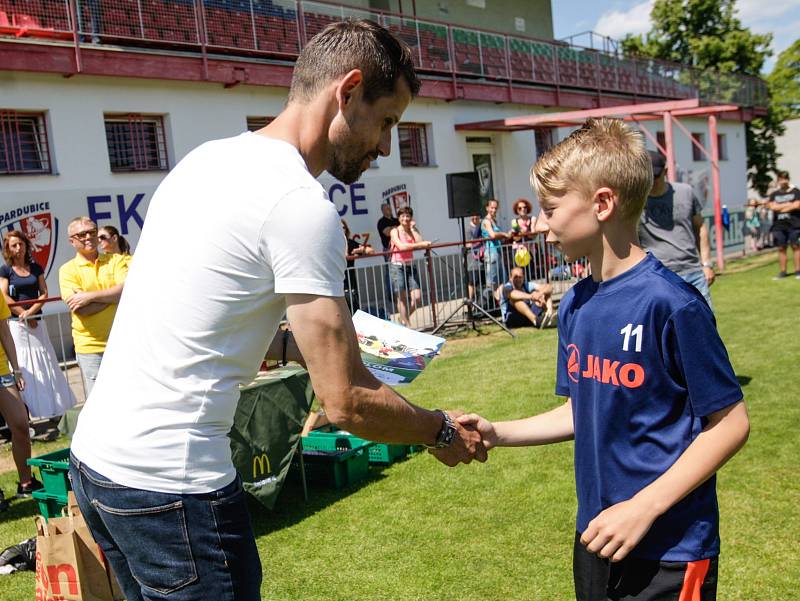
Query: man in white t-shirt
x=258, y=237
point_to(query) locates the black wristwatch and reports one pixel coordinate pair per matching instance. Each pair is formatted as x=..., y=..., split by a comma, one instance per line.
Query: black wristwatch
x=446, y=434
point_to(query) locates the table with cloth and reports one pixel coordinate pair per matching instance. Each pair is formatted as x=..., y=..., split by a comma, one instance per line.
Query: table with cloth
x=266, y=429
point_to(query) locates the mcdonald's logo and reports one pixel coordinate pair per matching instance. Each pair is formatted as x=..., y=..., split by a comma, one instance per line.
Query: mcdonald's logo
x=261, y=465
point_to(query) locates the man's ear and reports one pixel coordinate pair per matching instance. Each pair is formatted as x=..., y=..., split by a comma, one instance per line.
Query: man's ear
x=348, y=87
x=606, y=203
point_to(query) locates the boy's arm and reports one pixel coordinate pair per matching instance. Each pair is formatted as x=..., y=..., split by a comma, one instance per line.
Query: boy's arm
x=552, y=426
x=618, y=529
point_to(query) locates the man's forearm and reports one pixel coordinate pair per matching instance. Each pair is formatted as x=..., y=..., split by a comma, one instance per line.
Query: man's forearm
x=376, y=412
x=90, y=309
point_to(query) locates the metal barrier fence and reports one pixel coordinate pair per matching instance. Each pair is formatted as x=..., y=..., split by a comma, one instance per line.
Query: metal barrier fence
x=280, y=28
x=446, y=275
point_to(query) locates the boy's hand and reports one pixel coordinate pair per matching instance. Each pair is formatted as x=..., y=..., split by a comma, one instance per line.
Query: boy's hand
x=615, y=531
x=466, y=446
x=482, y=425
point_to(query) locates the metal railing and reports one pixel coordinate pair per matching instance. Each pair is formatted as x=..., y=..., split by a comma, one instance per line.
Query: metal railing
x=444, y=284
x=280, y=29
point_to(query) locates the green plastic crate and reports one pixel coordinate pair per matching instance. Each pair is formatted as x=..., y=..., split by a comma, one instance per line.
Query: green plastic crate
x=54, y=470
x=337, y=468
x=50, y=506
x=378, y=452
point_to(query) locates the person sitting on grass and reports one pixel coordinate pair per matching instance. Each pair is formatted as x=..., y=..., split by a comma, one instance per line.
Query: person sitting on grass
x=652, y=401
x=524, y=304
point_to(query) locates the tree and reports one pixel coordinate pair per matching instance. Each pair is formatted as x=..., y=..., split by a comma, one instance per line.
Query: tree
x=784, y=82
x=707, y=34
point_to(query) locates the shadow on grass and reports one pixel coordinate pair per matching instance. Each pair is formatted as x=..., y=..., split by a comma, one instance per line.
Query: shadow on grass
x=291, y=508
x=20, y=509
x=744, y=380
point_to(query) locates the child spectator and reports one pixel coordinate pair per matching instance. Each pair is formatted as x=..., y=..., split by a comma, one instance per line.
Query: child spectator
x=652, y=401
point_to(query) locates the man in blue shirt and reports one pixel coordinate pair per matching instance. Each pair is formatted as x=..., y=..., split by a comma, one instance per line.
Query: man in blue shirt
x=652, y=401
x=524, y=304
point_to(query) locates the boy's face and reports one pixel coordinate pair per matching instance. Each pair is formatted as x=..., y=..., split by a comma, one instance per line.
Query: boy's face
x=570, y=222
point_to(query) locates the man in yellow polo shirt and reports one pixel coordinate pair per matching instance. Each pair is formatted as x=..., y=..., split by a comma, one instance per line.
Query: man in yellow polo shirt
x=91, y=285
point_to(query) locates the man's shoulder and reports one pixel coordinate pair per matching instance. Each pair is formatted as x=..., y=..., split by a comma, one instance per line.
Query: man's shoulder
x=70, y=265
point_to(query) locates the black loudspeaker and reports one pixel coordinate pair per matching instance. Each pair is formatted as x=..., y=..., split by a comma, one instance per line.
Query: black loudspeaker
x=463, y=195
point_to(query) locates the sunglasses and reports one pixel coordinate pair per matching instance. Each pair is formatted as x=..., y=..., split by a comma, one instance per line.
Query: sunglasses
x=84, y=234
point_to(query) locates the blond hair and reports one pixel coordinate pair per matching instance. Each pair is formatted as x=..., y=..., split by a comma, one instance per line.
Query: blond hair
x=603, y=153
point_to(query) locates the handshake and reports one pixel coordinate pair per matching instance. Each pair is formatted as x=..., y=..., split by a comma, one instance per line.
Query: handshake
x=473, y=439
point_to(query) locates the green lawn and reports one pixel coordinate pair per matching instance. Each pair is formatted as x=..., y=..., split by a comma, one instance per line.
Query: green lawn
x=503, y=530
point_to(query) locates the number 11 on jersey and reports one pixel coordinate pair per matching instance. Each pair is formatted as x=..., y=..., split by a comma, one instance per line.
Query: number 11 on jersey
x=636, y=332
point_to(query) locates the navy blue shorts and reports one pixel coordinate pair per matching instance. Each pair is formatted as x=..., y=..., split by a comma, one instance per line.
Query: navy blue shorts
x=634, y=579
x=784, y=237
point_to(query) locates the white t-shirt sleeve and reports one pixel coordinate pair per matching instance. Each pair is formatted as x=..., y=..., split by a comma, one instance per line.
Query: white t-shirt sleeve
x=303, y=242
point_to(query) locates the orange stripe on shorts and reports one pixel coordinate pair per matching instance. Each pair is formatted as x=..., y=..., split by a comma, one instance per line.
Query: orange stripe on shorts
x=693, y=580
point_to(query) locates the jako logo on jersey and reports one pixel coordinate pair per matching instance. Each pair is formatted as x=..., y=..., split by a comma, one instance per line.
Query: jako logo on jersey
x=605, y=371
x=38, y=224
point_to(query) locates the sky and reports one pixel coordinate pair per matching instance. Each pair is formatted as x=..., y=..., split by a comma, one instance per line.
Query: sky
x=615, y=18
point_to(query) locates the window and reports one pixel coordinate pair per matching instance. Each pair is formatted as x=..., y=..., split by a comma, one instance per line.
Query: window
x=23, y=143
x=136, y=143
x=413, y=145
x=722, y=144
x=543, y=138
x=697, y=154
x=256, y=123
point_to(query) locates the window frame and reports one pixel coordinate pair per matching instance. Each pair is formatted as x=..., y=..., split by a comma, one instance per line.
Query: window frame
x=256, y=122
x=141, y=162
x=14, y=160
x=697, y=154
x=420, y=142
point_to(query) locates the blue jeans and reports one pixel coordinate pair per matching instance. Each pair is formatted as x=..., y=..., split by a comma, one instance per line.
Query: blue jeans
x=698, y=279
x=495, y=270
x=90, y=367
x=165, y=546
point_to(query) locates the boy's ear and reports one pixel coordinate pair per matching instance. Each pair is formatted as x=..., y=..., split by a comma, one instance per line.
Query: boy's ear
x=606, y=203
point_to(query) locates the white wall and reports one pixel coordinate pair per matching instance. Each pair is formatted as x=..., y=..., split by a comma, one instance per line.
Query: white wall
x=197, y=112
x=789, y=147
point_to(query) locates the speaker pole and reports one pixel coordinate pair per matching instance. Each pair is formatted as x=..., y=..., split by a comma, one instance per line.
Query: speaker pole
x=468, y=303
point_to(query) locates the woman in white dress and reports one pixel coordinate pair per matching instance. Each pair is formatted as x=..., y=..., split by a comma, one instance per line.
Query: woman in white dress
x=46, y=393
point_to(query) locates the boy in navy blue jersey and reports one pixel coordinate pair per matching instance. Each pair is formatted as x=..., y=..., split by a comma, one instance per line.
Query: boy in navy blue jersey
x=652, y=401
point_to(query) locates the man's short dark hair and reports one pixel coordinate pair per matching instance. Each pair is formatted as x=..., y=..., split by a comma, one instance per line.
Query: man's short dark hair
x=782, y=174
x=347, y=45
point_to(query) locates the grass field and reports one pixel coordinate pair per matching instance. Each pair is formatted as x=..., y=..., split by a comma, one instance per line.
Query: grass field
x=503, y=530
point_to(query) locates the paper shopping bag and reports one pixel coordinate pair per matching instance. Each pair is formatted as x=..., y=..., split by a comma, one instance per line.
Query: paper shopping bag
x=69, y=564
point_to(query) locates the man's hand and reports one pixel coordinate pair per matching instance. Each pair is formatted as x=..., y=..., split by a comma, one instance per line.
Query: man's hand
x=78, y=300
x=615, y=531
x=466, y=446
x=482, y=425
x=710, y=275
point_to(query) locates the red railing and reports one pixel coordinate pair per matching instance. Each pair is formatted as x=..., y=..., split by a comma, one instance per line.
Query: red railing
x=280, y=28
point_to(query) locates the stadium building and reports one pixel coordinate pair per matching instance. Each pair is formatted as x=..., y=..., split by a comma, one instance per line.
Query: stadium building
x=100, y=98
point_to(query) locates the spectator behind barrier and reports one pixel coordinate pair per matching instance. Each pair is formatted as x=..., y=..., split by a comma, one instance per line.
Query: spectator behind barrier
x=476, y=249
x=523, y=303
x=47, y=393
x=350, y=282
x=495, y=269
x=111, y=242
x=405, y=239
x=91, y=285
